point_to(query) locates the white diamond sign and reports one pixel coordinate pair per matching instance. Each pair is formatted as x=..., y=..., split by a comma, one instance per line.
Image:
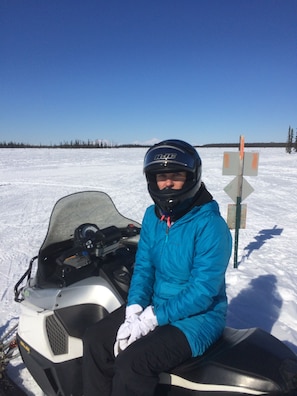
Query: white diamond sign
x=232, y=189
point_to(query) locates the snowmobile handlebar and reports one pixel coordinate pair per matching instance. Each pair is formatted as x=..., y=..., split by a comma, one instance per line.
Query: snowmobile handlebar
x=98, y=242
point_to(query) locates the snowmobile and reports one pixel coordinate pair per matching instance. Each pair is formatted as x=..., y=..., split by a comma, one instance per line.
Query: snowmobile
x=82, y=273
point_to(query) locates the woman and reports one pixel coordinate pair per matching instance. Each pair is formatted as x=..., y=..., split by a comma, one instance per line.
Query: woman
x=177, y=299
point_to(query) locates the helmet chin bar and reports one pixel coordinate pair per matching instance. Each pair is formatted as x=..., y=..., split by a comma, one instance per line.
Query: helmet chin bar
x=173, y=202
x=169, y=199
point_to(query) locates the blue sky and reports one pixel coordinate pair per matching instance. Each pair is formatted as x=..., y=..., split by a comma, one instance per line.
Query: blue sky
x=206, y=71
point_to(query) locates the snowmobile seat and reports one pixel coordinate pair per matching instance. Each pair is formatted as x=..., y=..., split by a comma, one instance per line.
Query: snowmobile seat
x=223, y=363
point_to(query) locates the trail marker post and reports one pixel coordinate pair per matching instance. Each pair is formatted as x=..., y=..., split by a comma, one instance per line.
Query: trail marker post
x=239, y=164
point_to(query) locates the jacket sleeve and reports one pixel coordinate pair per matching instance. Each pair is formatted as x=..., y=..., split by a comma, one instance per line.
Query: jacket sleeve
x=141, y=288
x=206, y=285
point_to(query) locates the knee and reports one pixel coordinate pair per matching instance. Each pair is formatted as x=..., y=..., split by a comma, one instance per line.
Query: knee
x=124, y=363
x=133, y=374
x=132, y=363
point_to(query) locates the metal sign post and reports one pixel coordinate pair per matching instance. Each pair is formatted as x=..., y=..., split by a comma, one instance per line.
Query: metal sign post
x=238, y=199
x=239, y=164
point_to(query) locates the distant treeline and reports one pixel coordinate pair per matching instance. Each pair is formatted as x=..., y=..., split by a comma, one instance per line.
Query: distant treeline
x=102, y=145
x=71, y=144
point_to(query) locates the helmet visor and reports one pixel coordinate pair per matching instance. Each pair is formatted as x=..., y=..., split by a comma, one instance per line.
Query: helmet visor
x=168, y=158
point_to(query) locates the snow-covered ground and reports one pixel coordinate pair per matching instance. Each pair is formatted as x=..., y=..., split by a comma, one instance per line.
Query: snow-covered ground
x=262, y=291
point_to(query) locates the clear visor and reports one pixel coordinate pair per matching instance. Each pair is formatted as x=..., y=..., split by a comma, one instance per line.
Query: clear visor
x=166, y=158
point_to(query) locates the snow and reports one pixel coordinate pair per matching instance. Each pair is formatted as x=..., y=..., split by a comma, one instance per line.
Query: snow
x=262, y=291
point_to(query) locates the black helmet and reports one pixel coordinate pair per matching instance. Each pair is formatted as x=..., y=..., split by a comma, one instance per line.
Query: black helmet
x=171, y=156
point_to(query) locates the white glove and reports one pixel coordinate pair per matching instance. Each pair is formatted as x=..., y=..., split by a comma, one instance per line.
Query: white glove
x=144, y=323
x=124, y=332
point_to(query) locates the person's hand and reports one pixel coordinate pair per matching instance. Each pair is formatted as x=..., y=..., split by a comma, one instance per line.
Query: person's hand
x=144, y=323
x=124, y=332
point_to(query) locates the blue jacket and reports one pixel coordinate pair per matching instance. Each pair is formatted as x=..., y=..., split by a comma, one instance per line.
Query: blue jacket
x=181, y=272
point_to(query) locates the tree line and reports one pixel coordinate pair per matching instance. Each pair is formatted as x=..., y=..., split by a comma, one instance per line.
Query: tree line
x=66, y=144
x=290, y=145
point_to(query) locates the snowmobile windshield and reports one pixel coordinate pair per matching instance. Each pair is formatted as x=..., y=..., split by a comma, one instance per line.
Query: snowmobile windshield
x=79, y=208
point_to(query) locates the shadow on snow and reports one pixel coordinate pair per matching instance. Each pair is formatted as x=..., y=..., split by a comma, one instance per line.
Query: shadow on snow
x=258, y=305
x=260, y=239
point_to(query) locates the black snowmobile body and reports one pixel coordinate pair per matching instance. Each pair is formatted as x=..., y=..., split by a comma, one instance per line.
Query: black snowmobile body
x=83, y=272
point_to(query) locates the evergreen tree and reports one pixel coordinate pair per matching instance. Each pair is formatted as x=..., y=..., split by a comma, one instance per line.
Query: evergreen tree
x=289, y=140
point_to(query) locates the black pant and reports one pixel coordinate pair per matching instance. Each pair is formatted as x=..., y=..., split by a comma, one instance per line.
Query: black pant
x=135, y=371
